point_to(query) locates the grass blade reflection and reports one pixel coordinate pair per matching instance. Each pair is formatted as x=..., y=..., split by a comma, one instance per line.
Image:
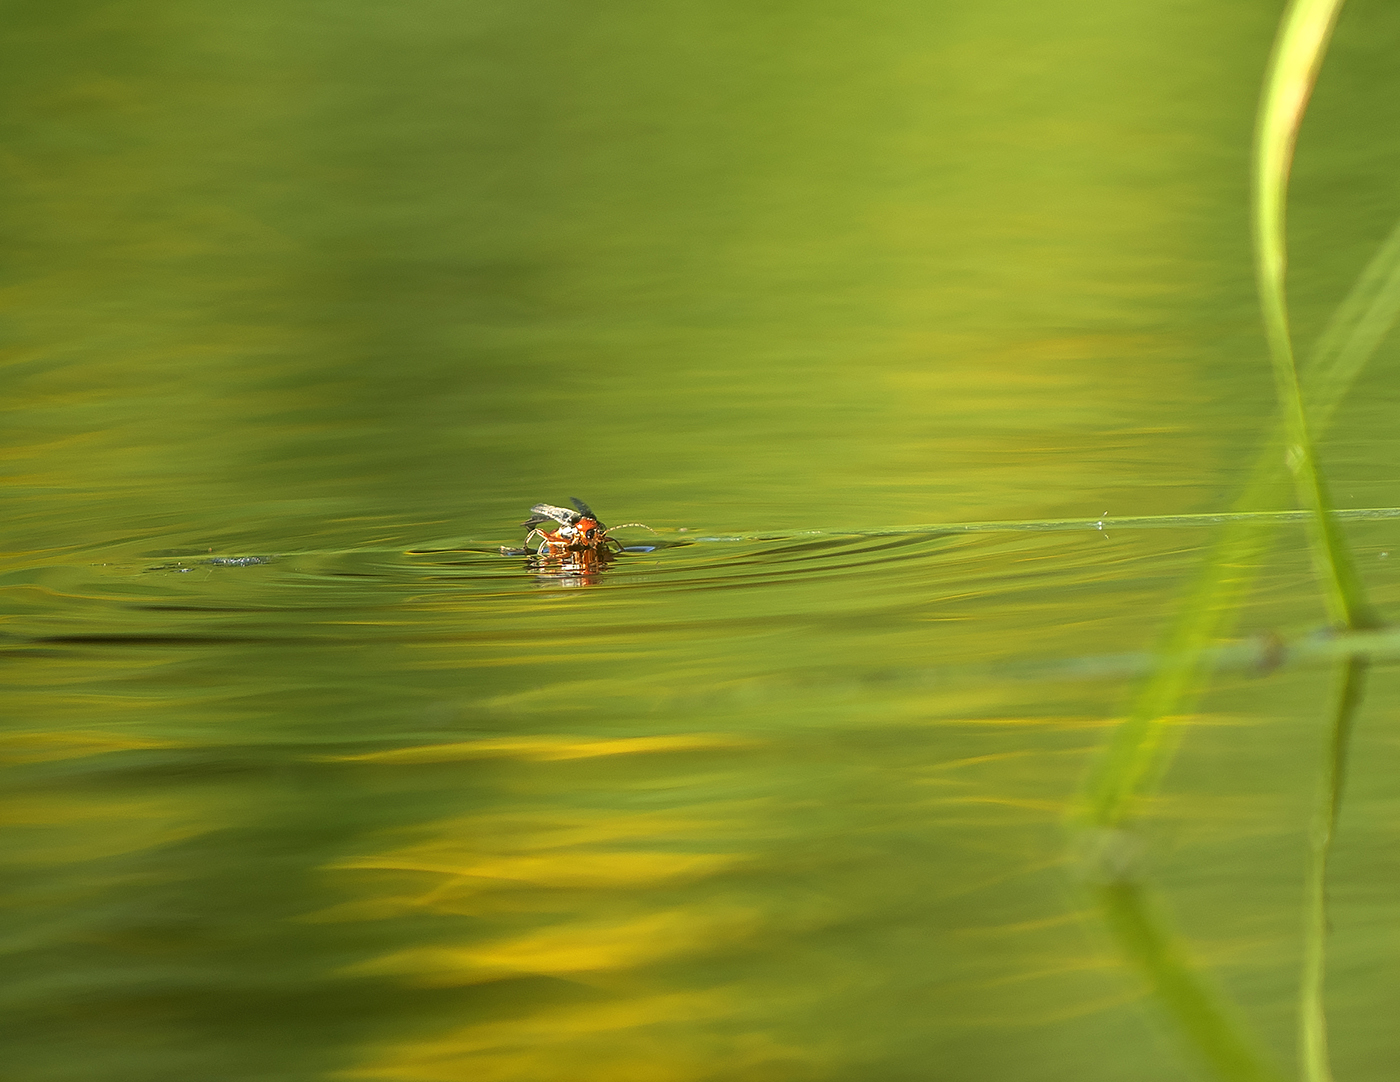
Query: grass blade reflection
x=1142, y=934
x=1312, y=1017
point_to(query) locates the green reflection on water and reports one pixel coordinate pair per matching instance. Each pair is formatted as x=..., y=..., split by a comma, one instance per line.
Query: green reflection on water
x=353, y=286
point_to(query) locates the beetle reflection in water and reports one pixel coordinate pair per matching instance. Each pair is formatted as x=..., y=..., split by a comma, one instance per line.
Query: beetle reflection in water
x=571, y=569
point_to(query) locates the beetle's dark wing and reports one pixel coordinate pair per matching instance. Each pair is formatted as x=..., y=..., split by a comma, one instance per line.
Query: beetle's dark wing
x=588, y=511
x=546, y=512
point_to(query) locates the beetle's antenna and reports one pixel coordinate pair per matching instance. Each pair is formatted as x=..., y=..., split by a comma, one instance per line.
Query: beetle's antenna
x=643, y=525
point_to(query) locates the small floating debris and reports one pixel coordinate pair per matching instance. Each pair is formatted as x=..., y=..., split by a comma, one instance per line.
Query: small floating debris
x=179, y=567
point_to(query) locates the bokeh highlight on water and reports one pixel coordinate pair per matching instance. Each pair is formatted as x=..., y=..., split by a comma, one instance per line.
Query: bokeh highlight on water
x=307, y=304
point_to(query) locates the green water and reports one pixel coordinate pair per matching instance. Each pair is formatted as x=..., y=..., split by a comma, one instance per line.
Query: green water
x=348, y=287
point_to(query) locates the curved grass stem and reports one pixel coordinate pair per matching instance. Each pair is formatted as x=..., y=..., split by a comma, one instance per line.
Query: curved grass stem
x=1297, y=56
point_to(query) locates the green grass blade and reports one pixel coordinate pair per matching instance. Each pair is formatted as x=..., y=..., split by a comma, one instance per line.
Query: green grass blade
x=1302, y=41
x=1353, y=334
x=1137, y=751
x=1312, y=1018
x=1136, y=755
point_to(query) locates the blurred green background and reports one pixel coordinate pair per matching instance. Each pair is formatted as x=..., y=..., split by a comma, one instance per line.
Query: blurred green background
x=352, y=285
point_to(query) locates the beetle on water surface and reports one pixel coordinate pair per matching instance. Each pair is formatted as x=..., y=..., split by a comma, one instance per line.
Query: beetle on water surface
x=579, y=530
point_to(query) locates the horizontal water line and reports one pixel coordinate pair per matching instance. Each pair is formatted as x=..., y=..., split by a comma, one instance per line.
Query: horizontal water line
x=1103, y=523
x=1259, y=655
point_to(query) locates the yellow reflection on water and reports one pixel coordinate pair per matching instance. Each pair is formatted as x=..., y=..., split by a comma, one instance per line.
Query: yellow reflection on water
x=459, y=866
x=597, y=898
x=545, y=748
x=52, y=828
x=576, y=949
x=622, y=929
x=42, y=747
x=641, y=1038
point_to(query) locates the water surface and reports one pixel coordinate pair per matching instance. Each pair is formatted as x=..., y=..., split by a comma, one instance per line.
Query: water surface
x=308, y=303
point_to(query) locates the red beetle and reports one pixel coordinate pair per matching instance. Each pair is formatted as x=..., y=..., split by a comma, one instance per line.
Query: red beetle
x=579, y=530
